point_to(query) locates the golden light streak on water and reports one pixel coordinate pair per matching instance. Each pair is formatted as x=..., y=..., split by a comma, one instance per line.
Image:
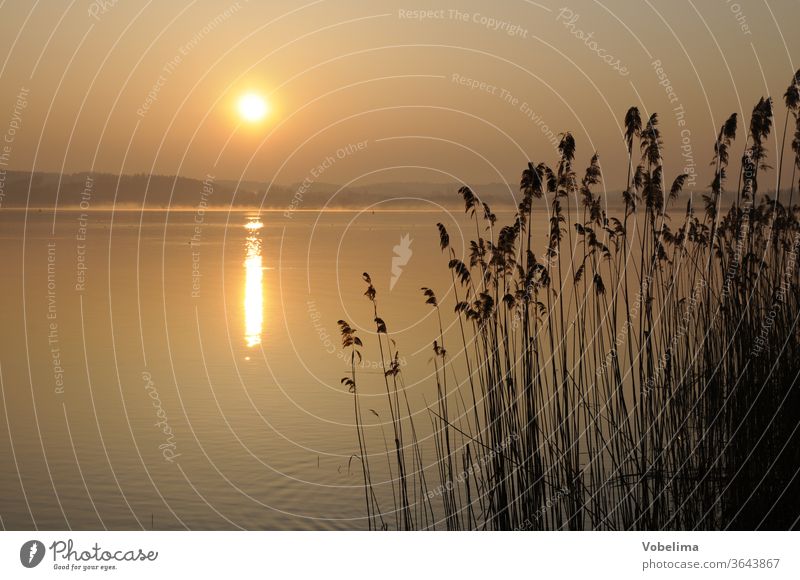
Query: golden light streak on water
x=253, y=284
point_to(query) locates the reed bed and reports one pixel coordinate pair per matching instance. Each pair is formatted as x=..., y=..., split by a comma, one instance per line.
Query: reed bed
x=635, y=371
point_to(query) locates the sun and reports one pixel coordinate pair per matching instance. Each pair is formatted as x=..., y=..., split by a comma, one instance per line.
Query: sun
x=252, y=107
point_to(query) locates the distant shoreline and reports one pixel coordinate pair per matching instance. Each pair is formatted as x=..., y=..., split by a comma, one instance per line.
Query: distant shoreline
x=75, y=209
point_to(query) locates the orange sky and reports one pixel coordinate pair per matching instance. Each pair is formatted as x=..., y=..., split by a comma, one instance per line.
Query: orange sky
x=391, y=91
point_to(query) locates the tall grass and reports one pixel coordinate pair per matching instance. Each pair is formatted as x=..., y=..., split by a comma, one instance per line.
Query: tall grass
x=633, y=372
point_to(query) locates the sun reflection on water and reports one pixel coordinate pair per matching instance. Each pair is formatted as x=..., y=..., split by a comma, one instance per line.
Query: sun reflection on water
x=254, y=284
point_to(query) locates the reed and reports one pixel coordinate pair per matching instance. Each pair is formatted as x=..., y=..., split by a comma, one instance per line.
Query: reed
x=640, y=373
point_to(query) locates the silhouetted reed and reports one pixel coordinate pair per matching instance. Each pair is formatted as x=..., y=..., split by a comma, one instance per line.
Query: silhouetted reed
x=639, y=374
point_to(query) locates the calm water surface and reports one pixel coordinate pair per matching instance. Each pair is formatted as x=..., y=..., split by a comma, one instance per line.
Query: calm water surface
x=182, y=370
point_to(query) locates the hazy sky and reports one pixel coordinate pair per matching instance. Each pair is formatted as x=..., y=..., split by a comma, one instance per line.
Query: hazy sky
x=340, y=73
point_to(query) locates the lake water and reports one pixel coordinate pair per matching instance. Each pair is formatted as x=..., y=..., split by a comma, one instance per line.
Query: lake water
x=182, y=369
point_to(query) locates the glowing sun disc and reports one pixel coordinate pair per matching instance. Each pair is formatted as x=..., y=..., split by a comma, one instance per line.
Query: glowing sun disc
x=252, y=107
